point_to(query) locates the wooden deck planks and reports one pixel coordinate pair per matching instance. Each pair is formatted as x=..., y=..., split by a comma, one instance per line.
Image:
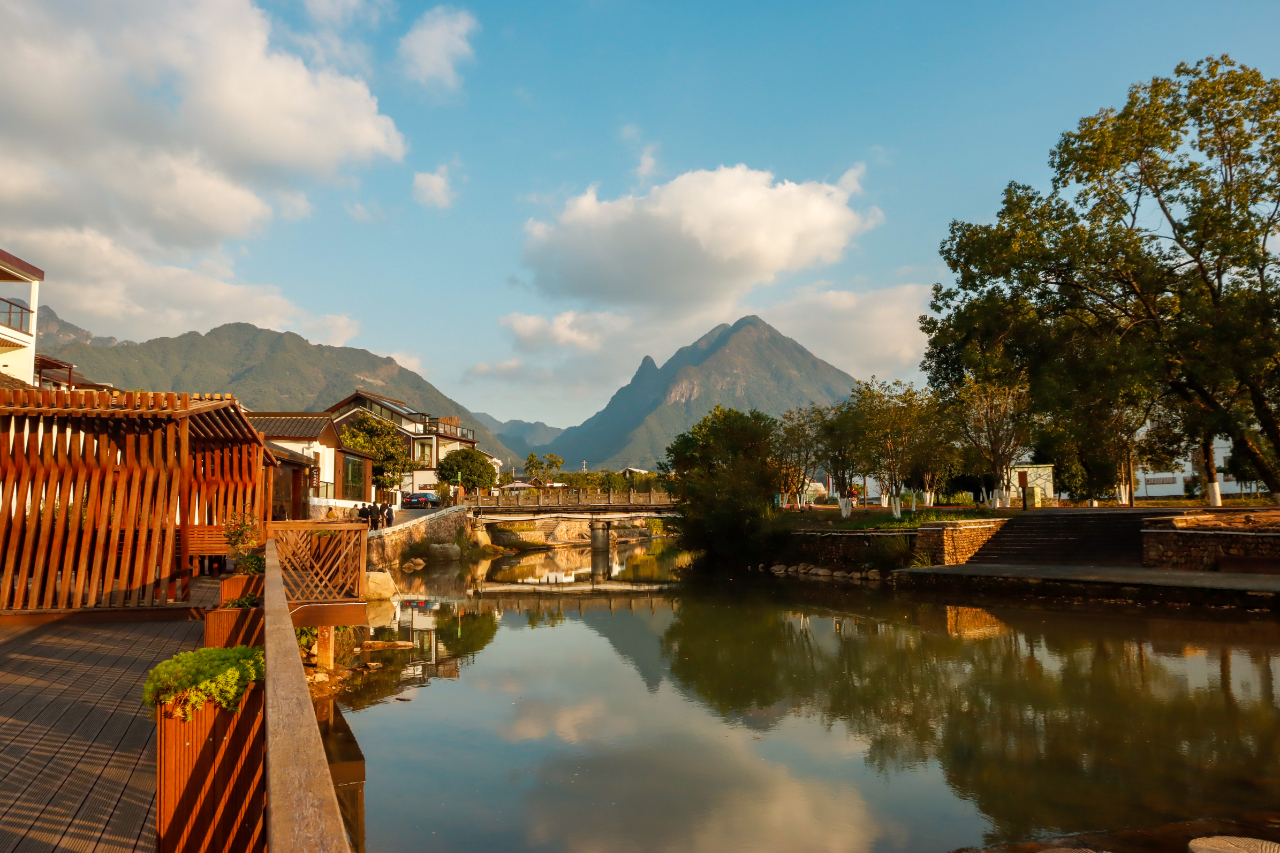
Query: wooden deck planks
x=77, y=746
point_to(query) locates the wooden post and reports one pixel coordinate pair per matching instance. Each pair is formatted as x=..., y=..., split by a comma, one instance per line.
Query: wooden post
x=324, y=646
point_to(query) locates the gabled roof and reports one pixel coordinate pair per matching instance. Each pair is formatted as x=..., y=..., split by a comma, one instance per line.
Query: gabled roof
x=399, y=406
x=291, y=424
x=284, y=454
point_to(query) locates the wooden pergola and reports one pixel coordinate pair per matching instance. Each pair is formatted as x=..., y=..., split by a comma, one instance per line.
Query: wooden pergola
x=107, y=497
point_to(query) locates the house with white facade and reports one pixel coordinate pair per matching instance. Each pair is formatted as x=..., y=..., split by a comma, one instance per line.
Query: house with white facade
x=341, y=477
x=18, y=322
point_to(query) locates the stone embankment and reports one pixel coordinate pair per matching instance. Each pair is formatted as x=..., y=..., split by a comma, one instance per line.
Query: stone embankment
x=945, y=543
x=813, y=572
x=1226, y=542
x=386, y=545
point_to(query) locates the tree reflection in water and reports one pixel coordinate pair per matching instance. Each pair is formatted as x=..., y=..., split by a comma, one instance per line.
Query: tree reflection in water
x=1049, y=722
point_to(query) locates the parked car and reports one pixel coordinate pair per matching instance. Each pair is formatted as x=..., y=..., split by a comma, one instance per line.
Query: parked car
x=420, y=500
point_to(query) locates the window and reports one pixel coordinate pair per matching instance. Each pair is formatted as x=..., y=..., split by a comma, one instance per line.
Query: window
x=424, y=453
x=353, y=479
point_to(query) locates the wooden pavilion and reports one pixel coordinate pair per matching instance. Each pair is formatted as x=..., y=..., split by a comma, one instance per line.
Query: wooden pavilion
x=107, y=498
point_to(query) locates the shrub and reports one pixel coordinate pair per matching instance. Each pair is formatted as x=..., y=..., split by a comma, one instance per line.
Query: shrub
x=306, y=638
x=190, y=679
x=241, y=532
x=248, y=600
x=253, y=564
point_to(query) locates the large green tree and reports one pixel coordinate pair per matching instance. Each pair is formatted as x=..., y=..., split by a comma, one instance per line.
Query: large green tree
x=1151, y=265
x=391, y=459
x=474, y=468
x=723, y=478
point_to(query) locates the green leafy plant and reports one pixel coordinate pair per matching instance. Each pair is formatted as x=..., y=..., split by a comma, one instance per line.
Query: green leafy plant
x=306, y=637
x=241, y=532
x=188, y=680
x=244, y=601
x=251, y=564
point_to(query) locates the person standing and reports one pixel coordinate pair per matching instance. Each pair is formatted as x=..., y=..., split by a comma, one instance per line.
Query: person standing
x=388, y=514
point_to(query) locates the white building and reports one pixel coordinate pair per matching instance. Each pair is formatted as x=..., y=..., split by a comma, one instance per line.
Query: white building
x=18, y=323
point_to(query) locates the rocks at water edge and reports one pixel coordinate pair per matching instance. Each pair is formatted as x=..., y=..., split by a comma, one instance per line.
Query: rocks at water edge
x=415, y=564
x=378, y=586
x=443, y=553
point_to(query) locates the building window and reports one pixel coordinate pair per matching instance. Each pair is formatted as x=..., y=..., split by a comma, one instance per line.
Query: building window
x=353, y=479
x=424, y=453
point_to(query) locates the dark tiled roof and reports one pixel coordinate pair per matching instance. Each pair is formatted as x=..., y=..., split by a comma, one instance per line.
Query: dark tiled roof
x=290, y=424
x=11, y=383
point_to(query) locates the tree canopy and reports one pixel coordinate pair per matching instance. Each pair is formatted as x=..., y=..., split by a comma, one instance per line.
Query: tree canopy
x=474, y=467
x=1145, y=280
x=391, y=459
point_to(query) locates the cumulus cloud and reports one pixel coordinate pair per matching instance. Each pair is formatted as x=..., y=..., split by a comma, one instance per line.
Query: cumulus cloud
x=332, y=329
x=862, y=333
x=704, y=238
x=436, y=43
x=408, y=361
x=432, y=189
x=648, y=162
x=573, y=329
x=151, y=132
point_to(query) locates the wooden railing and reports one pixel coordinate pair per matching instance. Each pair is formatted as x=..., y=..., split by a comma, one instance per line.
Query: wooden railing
x=302, y=808
x=571, y=497
x=321, y=561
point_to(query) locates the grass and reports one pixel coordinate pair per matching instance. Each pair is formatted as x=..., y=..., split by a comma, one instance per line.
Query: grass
x=872, y=518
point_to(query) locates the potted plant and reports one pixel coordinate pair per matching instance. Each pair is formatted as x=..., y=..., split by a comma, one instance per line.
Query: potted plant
x=210, y=748
x=242, y=535
x=238, y=622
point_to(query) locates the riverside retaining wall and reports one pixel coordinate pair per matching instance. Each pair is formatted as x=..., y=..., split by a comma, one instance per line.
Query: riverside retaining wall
x=1228, y=542
x=952, y=543
x=386, y=545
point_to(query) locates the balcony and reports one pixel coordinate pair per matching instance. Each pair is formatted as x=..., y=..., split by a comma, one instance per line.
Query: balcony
x=450, y=430
x=14, y=316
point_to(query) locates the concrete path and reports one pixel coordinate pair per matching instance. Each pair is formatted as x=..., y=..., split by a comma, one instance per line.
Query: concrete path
x=1221, y=581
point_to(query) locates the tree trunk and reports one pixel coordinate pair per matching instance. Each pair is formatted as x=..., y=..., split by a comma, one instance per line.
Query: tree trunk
x=1211, y=489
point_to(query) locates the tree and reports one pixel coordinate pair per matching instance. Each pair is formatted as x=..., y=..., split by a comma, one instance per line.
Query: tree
x=994, y=420
x=551, y=466
x=796, y=450
x=723, y=479
x=381, y=439
x=533, y=466
x=841, y=433
x=1156, y=247
x=471, y=465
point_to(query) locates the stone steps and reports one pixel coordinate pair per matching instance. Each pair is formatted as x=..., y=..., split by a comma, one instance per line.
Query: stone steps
x=1085, y=538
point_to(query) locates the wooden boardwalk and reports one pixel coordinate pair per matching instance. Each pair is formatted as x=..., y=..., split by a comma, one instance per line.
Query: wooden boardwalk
x=77, y=746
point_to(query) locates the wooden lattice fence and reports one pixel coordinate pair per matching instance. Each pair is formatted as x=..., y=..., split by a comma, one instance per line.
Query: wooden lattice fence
x=101, y=491
x=322, y=562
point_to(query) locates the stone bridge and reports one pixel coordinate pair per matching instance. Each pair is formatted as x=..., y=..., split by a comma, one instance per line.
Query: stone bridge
x=599, y=511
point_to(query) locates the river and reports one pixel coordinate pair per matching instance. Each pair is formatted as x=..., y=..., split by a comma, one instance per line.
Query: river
x=773, y=715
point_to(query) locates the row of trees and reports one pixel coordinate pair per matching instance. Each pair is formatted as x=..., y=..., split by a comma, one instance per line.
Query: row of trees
x=1136, y=304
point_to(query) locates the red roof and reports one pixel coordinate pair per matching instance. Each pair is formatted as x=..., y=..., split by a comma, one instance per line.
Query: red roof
x=16, y=263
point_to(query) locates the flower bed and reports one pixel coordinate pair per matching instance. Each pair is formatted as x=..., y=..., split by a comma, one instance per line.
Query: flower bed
x=210, y=744
x=238, y=586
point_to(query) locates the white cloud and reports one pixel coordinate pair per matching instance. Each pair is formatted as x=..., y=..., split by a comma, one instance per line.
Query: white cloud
x=704, y=238
x=357, y=211
x=573, y=329
x=436, y=43
x=862, y=333
x=648, y=163
x=431, y=189
x=332, y=329
x=408, y=361
x=149, y=133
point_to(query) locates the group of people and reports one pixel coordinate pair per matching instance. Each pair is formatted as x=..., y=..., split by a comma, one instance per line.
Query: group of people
x=377, y=515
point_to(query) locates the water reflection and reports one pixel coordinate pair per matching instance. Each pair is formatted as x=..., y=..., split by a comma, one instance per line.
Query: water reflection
x=646, y=562
x=797, y=717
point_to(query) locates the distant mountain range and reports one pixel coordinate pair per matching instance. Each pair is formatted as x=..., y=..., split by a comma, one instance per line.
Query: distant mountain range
x=521, y=436
x=749, y=365
x=266, y=370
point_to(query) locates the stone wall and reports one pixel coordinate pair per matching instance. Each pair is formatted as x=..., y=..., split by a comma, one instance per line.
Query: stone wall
x=386, y=545
x=952, y=543
x=842, y=549
x=1218, y=542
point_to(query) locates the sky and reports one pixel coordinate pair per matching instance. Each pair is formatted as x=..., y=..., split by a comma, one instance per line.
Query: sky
x=520, y=201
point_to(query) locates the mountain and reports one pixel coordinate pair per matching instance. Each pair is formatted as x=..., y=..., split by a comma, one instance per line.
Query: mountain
x=53, y=332
x=749, y=365
x=265, y=370
x=521, y=437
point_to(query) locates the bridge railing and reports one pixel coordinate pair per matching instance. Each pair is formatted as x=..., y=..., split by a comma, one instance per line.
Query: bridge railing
x=570, y=497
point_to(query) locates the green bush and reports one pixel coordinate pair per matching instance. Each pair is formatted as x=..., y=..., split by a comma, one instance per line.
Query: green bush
x=306, y=637
x=190, y=679
x=254, y=564
x=248, y=600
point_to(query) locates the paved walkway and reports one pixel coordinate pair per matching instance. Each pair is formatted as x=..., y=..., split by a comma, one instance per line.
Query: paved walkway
x=77, y=746
x=1220, y=581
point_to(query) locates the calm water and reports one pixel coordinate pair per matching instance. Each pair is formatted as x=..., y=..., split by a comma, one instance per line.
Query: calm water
x=793, y=716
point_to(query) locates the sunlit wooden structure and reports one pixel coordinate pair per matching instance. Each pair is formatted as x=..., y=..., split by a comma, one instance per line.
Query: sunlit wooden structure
x=106, y=498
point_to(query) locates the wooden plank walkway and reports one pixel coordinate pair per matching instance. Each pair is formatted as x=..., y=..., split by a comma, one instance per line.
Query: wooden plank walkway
x=77, y=746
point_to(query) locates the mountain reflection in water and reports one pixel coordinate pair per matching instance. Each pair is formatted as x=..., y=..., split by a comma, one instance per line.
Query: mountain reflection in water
x=799, y=716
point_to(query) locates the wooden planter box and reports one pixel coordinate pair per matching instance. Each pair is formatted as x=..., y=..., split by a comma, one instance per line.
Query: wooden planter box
x=211, y=783
x=236, y=586
x=226, y=628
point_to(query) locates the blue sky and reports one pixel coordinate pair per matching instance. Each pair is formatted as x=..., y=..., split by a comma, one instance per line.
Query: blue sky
x=522, y=200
